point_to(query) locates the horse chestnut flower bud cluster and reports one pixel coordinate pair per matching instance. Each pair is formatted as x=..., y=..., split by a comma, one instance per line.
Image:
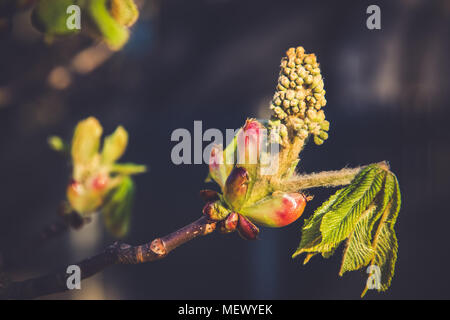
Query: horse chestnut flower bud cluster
x=247, y=198
x=300, y=96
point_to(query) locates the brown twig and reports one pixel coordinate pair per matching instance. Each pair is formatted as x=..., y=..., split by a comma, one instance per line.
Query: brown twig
x=117, y=253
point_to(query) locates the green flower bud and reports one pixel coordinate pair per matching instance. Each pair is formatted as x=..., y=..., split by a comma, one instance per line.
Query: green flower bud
x=325, y=125
x=323, y=135
x=317, y=140
x=236, y=187
x=300, y=94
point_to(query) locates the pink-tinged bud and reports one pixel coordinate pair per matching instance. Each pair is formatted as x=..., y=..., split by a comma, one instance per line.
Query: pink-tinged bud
x=277, y=210
x=209, y=195
x=75, y=188
x=246, y=229
x=249, y=142
x=230, y=223
x=236, y=187
x=100, y=181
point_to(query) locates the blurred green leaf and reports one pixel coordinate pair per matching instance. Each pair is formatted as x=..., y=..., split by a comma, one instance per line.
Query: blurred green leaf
x=105, y=19
x=111, y=31
x=114, y=145
x=117, y=208
x=86, y=141
x=50, y=17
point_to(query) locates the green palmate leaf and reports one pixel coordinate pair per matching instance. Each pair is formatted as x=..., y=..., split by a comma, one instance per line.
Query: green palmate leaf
x=336, y=218
x=337, y=225
x=117, y=208
x=358, y=251
x=384, y=198
x=352, y=213
x=384, y=241
x=311, y=235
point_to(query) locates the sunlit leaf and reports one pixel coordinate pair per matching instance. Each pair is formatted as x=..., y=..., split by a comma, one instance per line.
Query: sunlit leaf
x=114, y=145
x=311, y=235
x=337, y=225
x=86, y=140
x=385, y=241
x=364, y=214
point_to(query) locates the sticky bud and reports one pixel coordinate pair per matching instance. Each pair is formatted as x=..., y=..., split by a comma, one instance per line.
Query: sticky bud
x=246, y=229
x=249, y=141
x=230, y=223
x=236, y=187
x=278, y=210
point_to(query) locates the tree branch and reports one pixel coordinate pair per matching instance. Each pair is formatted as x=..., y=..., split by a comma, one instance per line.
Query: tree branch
x=117, y=253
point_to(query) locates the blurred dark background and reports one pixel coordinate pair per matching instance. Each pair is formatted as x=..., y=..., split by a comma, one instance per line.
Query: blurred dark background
x=218, y=61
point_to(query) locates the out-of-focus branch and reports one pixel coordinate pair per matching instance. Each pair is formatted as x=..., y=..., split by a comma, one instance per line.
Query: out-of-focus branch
x=117, y=253
x=57, y=228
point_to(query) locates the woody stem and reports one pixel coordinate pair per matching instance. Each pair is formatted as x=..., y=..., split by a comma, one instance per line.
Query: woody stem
x=117, y=253
x=322, y=179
